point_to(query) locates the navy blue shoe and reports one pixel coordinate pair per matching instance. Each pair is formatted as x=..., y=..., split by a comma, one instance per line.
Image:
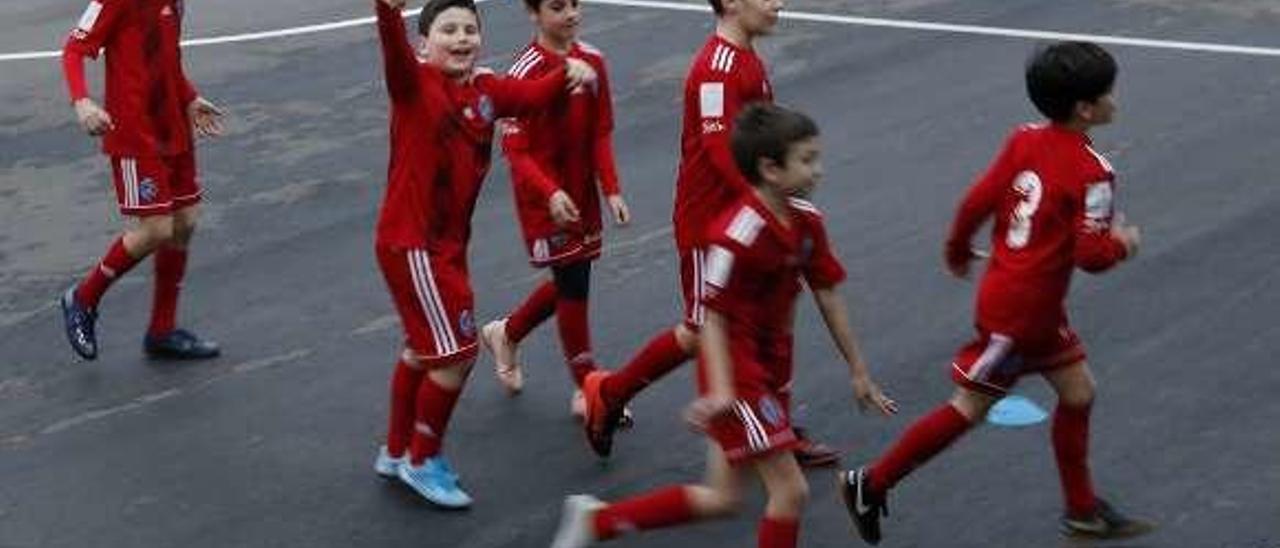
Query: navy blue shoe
x=80, y=321
x=180, y=344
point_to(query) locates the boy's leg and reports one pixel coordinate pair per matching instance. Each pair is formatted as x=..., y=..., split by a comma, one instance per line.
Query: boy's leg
x=573, y=288
x=928, y=436
x=503, y=336
x=788, y=493
x=405, y=381
x=1075, y=388
x=170, y=268
x=437, y=396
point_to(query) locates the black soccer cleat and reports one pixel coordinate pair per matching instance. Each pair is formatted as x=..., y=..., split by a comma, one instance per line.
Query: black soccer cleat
x=79, y=323
x=1105, y=523
x=865, y=507
x=180, y=344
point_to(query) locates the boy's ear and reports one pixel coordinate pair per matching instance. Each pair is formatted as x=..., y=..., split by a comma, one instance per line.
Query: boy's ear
x=768, y=169
x=1084, y=110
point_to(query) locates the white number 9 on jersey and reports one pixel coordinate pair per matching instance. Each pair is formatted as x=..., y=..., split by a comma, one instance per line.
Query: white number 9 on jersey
x=1030, y=189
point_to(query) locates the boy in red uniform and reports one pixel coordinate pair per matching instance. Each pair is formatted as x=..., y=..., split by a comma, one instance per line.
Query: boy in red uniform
x=558, y=157
x=146, y=129
x=1050, y=195
x=442, y=115
x=726, y=75
x=760, y=250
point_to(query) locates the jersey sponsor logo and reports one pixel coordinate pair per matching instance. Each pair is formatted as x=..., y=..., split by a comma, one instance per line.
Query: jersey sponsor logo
x=90, y=17
x=1097, y=201
x=713, y=126
x=718, y=265
x=772, y=411
x=711, y=100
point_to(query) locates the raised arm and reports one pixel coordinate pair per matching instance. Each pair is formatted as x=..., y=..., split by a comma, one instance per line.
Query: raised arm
x=399, y=61
x=514, y=97
x=977, y=205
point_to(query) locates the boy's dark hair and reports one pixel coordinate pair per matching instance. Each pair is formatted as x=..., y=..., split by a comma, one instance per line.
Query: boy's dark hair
x=434, y=8
x=1065, y=73
x=533, y=5
x=717, y=6
x=765, y=130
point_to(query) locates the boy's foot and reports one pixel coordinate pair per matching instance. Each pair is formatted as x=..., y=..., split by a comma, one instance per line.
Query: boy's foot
x=865, y=507
x=436, y=482
x=79, y=323
x=576, y=529
x=600, y=419
x=386, y=465
x=1105, y=523
x=180, y=344
x=505, y=360
x=813, y=454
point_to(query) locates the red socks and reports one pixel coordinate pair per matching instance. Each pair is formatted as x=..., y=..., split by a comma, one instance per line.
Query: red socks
x=925, y=438
x=404, y=390
x=662, y=355
x=1071, y=448
x=171, y=266
x=535, y=309
x=434, y=406
x=114, y=264
x=575, y=337
x=661, y=508
x=779, y=533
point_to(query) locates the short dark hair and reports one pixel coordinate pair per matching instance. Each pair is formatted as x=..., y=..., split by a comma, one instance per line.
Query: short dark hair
x=533, y=5
x=717, y=6
x=1063, y=74
x=765, y=130
x=434, y=8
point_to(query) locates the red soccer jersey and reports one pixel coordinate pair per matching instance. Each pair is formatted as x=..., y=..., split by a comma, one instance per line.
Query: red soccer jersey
x=723, y=79
x=1050, y=194
x=441, y=143
x=567, y=146
x=753, y=269
x=147, y=92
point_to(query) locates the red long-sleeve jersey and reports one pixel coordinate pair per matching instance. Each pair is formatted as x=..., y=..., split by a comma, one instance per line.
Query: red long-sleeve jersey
x=146, y=90
x=1051, y=196
x=567, y=146
x=722, y=80
x=441, y=143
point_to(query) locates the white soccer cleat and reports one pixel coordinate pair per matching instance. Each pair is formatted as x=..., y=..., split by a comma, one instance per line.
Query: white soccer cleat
x=576, y=529
x=386, y=465
x=506, y=365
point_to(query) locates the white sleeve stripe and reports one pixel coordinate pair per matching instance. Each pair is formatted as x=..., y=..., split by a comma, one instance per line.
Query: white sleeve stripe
x=1101, y=159
x=521, y=59
x=90, y=16
x=526, y=63
x=728, y=64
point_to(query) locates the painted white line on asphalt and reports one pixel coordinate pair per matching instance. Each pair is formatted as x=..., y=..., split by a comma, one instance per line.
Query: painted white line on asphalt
x=905, y=24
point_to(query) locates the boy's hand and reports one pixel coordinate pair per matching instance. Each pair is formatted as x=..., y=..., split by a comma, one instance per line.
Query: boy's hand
x=578, y=73
x=957, y=258
x=205, y=117
x=1128, y=235
x=396, y=4
x=621, y=213
x=563, y=210
x=92, y=118
x=869, y=396
x=702, y=411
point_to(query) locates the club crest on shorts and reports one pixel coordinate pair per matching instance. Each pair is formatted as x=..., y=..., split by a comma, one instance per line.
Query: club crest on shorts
x=485, y=107
x=467, y=324
x=772, y=411
x=147, y=191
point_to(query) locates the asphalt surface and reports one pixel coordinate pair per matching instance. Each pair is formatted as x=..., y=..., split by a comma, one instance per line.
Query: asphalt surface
x=271, y=445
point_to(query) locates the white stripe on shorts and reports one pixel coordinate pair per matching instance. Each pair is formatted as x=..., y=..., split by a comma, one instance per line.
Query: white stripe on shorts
x=757, y=438
x=429, y=300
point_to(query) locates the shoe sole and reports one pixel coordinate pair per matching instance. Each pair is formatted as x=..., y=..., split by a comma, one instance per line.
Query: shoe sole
x=848, y=495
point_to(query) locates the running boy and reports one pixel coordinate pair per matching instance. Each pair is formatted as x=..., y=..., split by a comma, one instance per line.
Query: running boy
x=1050, y=194
x=726, y=74
x=442, y=114
x=146, y=129
x=559, y=156
x=759, y=251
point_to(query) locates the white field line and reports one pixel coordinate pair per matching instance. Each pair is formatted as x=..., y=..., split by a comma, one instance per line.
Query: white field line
x=904, y=24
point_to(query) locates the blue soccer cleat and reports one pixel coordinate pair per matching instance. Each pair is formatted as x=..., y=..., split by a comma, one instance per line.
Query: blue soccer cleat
x=80, y=321
x=180, y=344
x=436, y=482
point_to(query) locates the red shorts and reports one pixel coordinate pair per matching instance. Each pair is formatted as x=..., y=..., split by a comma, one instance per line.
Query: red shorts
x=760, y=424
x=155, y=185
x=435, y=305
x=563, y=248
x=691, y=281
x=993, y=362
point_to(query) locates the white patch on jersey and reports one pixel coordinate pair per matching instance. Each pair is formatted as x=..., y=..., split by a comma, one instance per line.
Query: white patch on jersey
x=745, y=227
x=711, y=99
x=1097, y=201
x=90, y=16
x=718, y=266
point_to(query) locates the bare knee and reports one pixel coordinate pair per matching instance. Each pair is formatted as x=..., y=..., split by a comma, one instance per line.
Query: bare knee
x=789, y=499
x=1075, y=385
x=973, y=405
x=713, y=502
x=686, y=338
x=148, y=234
